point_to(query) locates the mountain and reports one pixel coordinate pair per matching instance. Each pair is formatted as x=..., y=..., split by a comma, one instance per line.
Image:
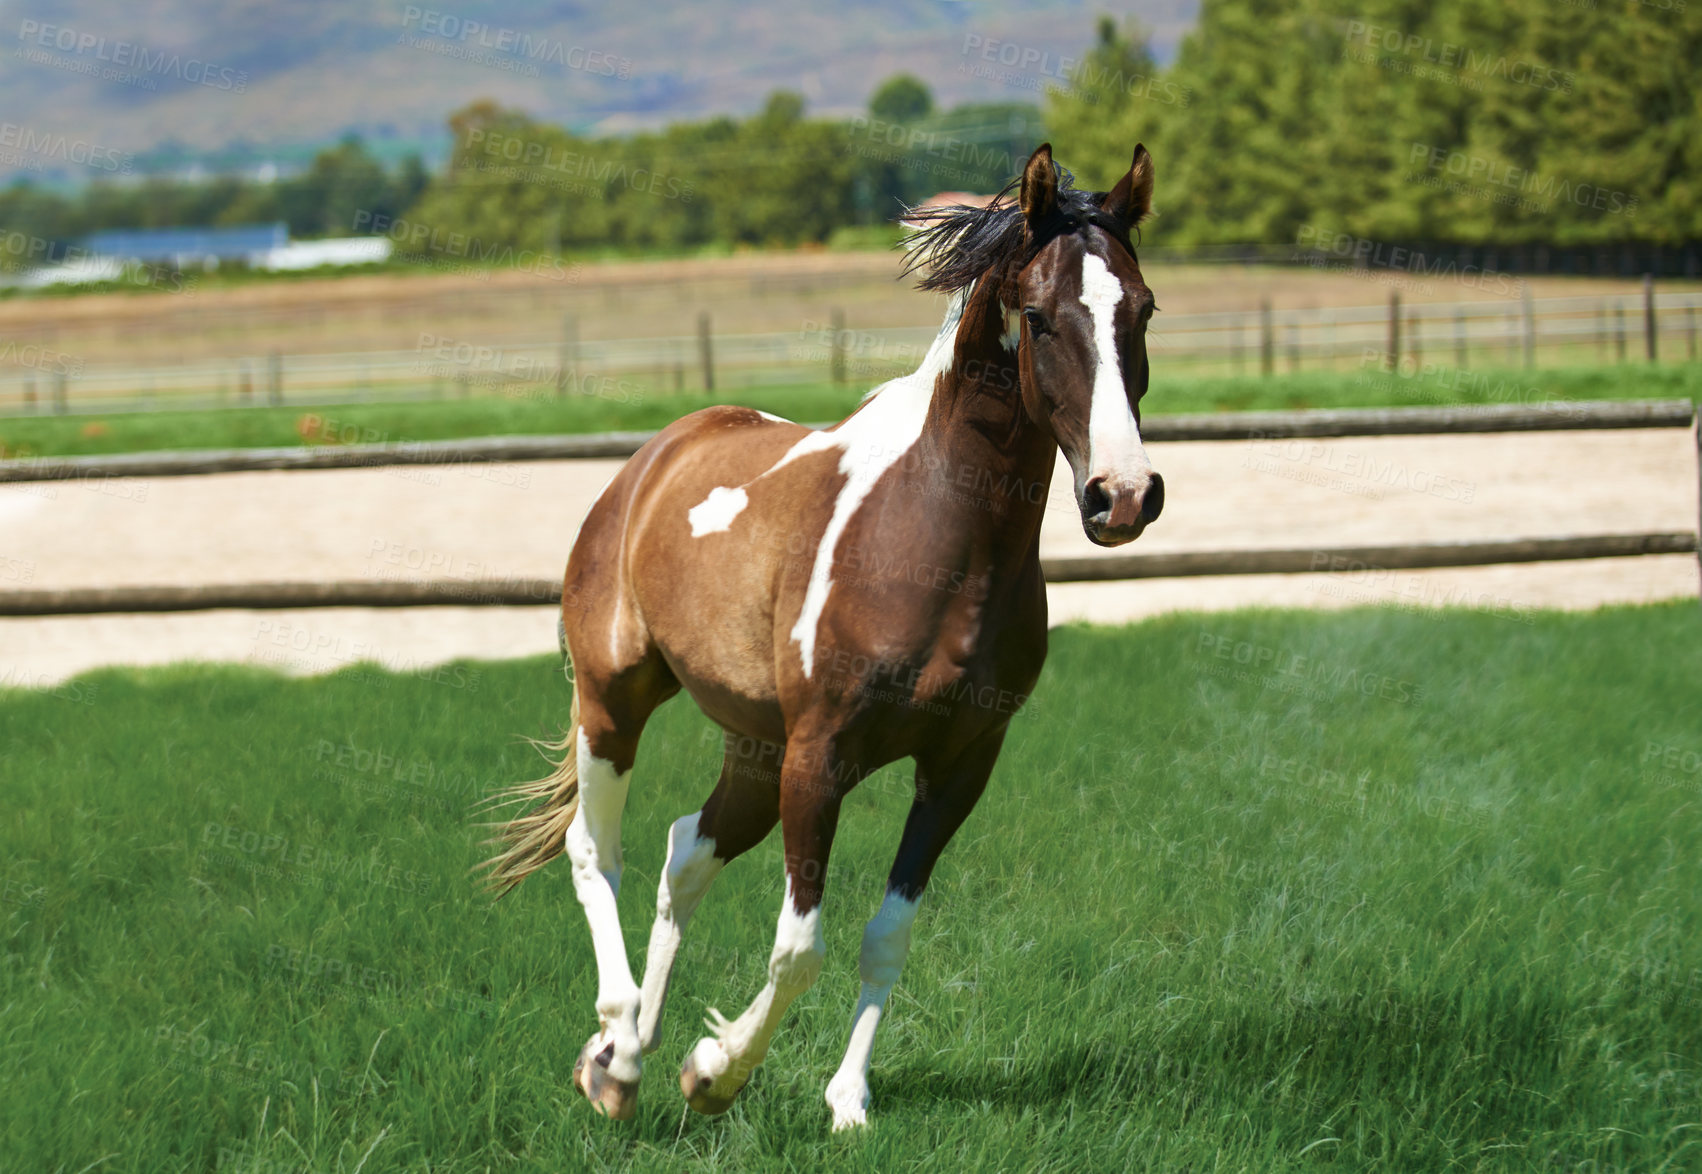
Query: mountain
x=96, y=86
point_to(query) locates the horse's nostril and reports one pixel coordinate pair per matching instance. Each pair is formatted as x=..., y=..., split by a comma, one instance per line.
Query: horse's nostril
x=1094, y=499
x=1153, y=503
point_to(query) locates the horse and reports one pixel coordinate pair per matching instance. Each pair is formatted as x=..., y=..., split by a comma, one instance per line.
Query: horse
x=824, y=665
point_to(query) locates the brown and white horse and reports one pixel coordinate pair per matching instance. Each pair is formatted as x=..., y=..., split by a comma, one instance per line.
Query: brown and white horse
x=686, y=574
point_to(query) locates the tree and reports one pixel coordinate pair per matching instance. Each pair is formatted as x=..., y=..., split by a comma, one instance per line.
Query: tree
x=901, y=98
x=1113, y=99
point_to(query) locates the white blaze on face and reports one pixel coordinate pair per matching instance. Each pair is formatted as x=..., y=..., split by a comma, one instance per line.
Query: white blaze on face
x=1113, y=437
x=717, y=511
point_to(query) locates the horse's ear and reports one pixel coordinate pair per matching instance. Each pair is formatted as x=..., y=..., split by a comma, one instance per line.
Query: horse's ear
x=1131, y=199
x=1039, y=185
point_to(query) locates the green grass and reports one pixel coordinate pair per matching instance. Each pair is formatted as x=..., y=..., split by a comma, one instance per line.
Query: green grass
x=393, y=422
x=533, y=415
x=1424, y=900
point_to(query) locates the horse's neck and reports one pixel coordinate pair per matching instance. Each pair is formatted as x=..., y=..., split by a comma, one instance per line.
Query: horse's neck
x=978, y=435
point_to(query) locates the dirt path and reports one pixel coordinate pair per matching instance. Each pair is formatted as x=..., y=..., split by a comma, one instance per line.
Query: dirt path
x=500, y=521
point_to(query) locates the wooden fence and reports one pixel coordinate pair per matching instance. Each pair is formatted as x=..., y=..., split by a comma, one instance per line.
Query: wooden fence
x=524, y=592
x=1456, y=341
x=1552, y=416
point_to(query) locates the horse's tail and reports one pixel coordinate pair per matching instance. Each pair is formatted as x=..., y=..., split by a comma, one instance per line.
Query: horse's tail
x=537, y=835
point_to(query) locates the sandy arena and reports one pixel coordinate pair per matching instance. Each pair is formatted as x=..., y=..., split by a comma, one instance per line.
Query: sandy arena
x=503, y=521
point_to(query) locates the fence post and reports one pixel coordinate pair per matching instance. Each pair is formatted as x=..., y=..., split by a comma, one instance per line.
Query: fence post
x=1530, y=327
x=29, y=396
x=568, y=358
x=705, y=354
x=1649, y=341
x=1293, y=347
x=1395, y=331
x=1267, y=339
x=1690, y=328
x=244, y=383
x=1413, y=342
x=61, y=397
x=275, y=377
x=1619, y=331
x=1459, y=340
x=836, y=353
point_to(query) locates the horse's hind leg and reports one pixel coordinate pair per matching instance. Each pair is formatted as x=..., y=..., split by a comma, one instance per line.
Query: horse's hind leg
x=739, y=814
x=810, y=792
x=610, y=721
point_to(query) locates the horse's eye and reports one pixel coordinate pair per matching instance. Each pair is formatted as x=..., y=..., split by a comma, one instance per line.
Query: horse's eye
x=1035, y=319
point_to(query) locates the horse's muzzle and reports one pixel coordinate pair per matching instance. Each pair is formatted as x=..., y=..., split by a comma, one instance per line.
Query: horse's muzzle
x=1115, y=511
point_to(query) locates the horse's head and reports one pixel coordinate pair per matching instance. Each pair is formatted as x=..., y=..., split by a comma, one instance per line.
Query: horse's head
x=1082, y=349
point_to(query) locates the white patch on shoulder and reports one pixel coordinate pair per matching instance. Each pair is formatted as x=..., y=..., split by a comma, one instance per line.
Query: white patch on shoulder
x=1113, y=437
x=871, y=442
x=717, y=511
x=773, y=417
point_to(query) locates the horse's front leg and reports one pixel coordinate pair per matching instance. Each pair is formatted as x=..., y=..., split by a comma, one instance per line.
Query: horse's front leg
x=720, y=1065
x=945, y=794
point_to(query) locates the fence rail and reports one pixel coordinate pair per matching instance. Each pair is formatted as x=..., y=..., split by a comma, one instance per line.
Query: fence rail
x=541, y=592
x=1549, y=417
x=1397, y=336
x=527, y=592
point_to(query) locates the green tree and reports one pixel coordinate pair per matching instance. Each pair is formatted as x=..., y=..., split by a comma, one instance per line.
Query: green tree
x=1112, y=99
x=902, y=98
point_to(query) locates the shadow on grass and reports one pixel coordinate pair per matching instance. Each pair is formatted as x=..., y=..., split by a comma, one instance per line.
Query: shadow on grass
x=1326, y=1053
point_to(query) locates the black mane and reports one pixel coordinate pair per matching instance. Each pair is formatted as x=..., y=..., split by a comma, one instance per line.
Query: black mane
x=957, y=244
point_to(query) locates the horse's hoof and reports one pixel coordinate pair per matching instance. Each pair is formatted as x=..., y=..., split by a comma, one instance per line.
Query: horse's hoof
x=697, y=1091
x=613, y=1098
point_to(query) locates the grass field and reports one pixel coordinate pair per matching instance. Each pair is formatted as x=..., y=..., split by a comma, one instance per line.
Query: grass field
x=534, y=414
x=1257, y=891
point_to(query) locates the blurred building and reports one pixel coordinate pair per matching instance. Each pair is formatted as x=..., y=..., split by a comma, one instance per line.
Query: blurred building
x=106, y=256
x=187, y=248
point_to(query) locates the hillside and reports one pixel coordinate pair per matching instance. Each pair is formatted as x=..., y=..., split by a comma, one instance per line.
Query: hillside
x=129, y=86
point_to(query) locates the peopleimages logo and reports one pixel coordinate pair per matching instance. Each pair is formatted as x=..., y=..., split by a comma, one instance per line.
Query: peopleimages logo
x=63, y=149
x=1034, y=68
x=1313, y=240
x=126, y=55
x=1546, y=189
x=470, y=36
x=1463, y=59
x=532, y=160
x=428, y=238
